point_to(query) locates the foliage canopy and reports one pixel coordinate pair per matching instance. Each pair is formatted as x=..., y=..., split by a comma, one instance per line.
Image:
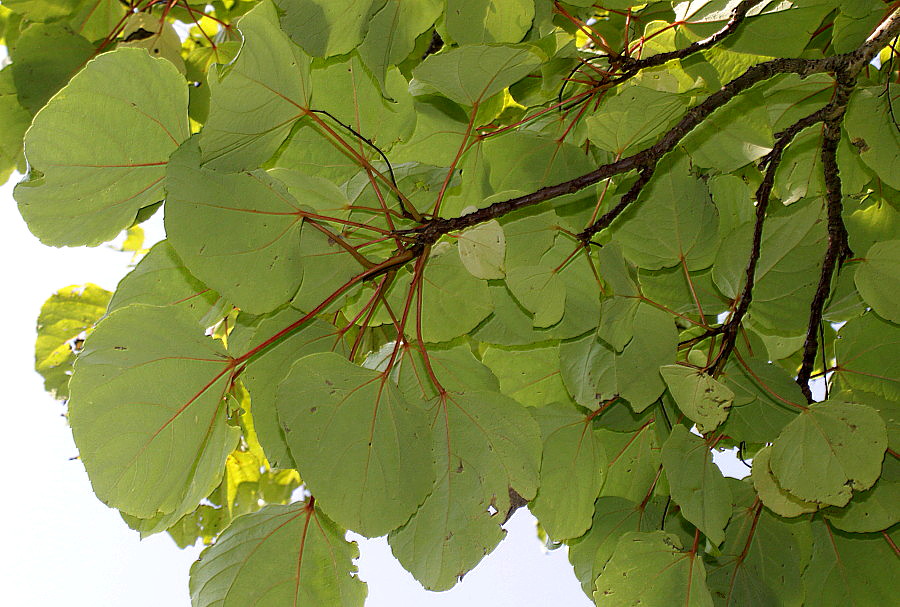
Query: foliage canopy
x=433, y=261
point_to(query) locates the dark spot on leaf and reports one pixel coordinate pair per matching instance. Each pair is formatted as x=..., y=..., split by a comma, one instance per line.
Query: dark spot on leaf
x=313, y=409
x=860, y=144
x=119, y=348
x=138, y=34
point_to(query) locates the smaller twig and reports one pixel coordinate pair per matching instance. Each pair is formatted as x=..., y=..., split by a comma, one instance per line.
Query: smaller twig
x=644, y=175
x=737, y=17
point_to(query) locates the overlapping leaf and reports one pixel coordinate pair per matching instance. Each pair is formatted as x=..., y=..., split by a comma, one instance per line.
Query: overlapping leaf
x=667, y=573
x=485, y=445
x=361, y=447
x=255, y=100
x=281, y=555
x=830, y=450
x=134, y=108
x=696, y=483
x=64, y=317
x=151, y=446
x=572, y=470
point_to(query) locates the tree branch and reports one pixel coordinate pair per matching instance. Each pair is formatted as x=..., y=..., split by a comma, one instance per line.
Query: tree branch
x=847, y=65
x=838, y=248
x=763, y=194
x=737, y=17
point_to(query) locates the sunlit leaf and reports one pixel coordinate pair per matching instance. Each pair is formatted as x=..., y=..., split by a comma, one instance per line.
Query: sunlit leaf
x=287, y=555
x=878, y=281
x=382, y=469
x=134, y=108
x=64, y=317
x=828, y=451
x=668, y=574
x=151, y=446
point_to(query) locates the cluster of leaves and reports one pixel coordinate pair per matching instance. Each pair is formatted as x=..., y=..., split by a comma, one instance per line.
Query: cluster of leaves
x=436, y=260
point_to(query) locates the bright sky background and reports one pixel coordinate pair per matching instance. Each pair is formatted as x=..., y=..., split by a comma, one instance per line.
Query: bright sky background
x=62, y=546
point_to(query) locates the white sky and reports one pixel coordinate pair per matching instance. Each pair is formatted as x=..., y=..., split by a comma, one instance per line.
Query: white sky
x=62, y=546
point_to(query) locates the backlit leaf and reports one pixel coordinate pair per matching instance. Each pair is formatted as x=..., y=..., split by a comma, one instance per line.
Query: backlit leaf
x=668, y=575
x=362, y=449
x=696, y=483
x=281, y=555
x=828, y=451
x=151, y=446
x=134, y=108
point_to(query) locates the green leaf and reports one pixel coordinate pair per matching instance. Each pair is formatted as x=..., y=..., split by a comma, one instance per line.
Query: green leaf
x=861, y=347
x=160, y=279
x=255, y=100
x=617, y=321
x=871, y=129
x=151, y=446
x=453, y=301
x=380, y=469
x=771, y=494
x=696, y=483
x=634, y=117
x=392, y=33
x=281, y=555
x=327, y=27
x=482, y=250
x=593, y=367
x=613, y=516
x=572, y=470
x=470, y=74
x=828, y=451
x=667, y=574
x=615, y=271
x=14, y=121
x=540, y=290
x=698, y=395
x=673, y=220
x=734, y=136
x=484, y=21
x=766, y=399
x=878, y=280
x=254, y=247
x=850, y=568
x=85, y=195
x=787, y=271
x=345, y=88
x=874, y=509
x=64, y=317
x=634, y=462
x=531, y=375
x=485, y=445
x=265, y=370
x=761, y=560
x=46, y=57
